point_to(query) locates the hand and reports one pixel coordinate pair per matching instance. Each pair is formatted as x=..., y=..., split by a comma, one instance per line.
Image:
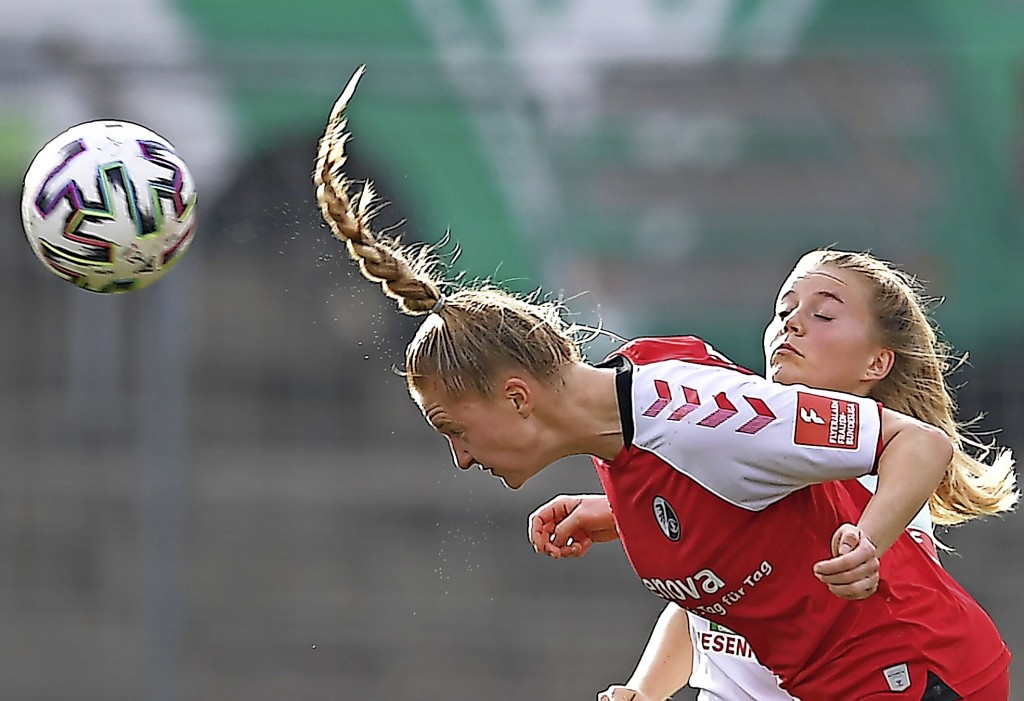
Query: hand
x=622, y=693
x=568, y=525
x=853, y=571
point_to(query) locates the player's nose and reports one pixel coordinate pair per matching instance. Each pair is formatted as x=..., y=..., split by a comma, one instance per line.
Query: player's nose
x=794, y=322
x=460, y=455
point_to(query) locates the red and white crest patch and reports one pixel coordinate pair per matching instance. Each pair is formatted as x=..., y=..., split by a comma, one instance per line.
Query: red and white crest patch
x=826, y=422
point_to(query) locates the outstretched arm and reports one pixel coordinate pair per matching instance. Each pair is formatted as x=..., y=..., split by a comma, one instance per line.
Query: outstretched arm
x=911, y=465
x=914, y=459
x=665, y=665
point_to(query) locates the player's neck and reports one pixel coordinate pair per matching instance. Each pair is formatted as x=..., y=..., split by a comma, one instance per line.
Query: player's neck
x=583, y=414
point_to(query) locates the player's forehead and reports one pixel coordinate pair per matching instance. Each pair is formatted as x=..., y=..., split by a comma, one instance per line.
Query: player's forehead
x=812, y=278
x=438, y=407
x=427, y=399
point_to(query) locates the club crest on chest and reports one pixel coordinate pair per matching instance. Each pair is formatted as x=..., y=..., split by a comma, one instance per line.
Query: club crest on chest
x=666, y=518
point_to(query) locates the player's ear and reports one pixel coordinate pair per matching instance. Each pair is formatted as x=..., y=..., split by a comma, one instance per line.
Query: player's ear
x=880, y=365
x=519, y=392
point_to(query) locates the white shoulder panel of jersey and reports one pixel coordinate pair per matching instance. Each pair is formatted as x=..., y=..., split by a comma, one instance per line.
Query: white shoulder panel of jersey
x=748, y=440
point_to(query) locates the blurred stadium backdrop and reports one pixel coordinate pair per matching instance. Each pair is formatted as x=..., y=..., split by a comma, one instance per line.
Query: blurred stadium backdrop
x=216, y=488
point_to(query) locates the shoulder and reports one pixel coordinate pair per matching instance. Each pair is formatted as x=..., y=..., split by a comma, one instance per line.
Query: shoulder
x=644, y=351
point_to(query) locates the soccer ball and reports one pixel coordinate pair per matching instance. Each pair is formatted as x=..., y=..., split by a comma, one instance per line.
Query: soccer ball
x=108, y=206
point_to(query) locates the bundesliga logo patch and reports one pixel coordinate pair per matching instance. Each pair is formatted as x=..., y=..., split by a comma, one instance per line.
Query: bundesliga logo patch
x=824, y=422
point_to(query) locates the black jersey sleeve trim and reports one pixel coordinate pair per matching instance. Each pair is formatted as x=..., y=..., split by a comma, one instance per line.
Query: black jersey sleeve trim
x=624, y=394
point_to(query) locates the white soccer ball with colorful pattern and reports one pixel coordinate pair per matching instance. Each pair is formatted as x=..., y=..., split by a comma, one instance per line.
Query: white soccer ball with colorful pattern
x=109, y=206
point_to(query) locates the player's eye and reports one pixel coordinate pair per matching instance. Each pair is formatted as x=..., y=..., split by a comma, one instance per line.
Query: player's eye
x=783, y=313
x=823, y=317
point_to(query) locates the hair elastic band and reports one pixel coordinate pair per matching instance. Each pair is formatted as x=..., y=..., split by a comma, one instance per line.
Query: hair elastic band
x=439, y=304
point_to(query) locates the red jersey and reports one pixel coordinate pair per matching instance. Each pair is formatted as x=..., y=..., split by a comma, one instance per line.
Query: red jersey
x=720, y=506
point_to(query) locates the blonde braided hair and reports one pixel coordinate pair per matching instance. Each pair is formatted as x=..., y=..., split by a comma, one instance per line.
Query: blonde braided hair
x=403, y=278
x=473, y=334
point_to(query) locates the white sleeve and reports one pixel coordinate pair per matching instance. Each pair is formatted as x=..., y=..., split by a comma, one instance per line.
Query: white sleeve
x=748, y=440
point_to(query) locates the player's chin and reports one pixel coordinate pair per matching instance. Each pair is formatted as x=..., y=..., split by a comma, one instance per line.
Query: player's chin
x=783, y=374
x=512, y=481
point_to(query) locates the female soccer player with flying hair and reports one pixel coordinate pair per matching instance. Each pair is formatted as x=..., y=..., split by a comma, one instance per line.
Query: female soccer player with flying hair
x=721, y=481
x=875, y=341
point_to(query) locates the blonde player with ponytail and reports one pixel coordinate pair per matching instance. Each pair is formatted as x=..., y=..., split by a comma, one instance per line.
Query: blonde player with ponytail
x=910, y=378
x=915, y=384
x=710, y=470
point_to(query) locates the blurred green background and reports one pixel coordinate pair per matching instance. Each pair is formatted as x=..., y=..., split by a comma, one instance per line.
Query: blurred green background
x=216, y=488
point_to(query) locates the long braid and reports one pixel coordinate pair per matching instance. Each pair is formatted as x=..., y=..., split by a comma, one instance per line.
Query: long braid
x=402, y=278
x=475, y=333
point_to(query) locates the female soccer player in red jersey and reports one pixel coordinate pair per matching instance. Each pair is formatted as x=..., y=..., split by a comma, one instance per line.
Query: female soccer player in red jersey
x=721, y=481
x=847, y=322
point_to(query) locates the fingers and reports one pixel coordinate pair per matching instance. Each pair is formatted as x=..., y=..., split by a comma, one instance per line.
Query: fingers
x=554, y=529
x=865, y=571
x=856, y=591
x=573, y=528
x=544, y=520
x=541, y=523
x=855, y=585
x=862, y=554
x=567, y=526
x=622, y=693
x=854, y=572
x=845, y=540
x=575, y=546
